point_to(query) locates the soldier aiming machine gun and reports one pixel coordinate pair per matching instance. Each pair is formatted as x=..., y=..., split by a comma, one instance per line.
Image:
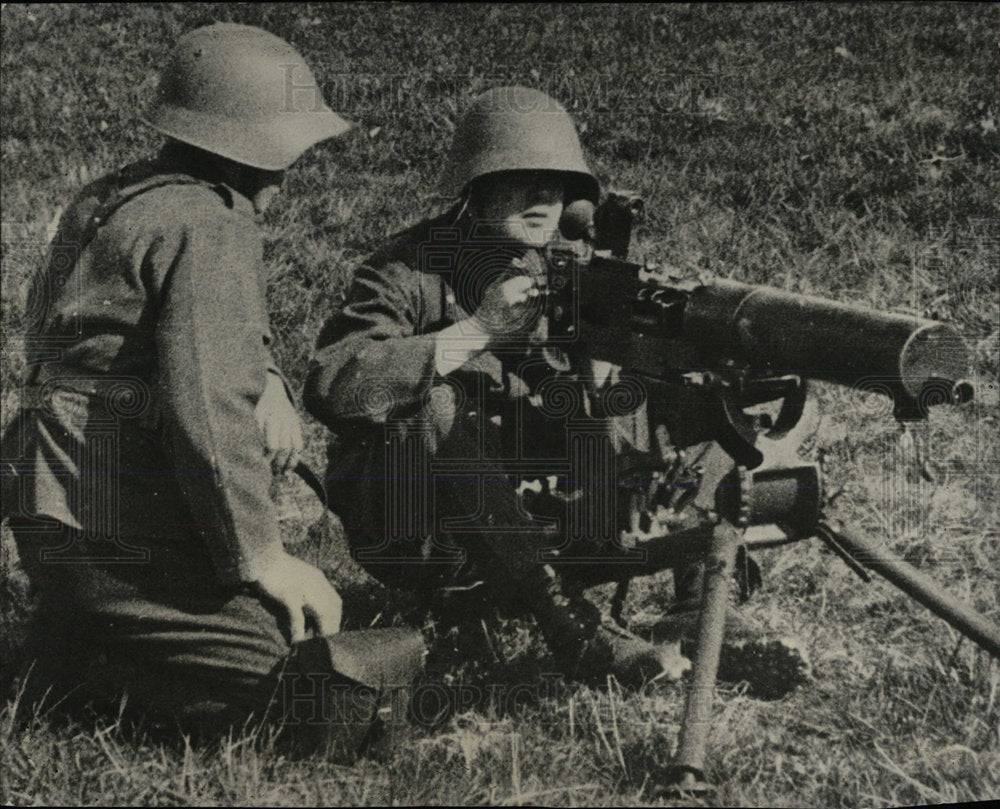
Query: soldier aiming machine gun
x=723, y=348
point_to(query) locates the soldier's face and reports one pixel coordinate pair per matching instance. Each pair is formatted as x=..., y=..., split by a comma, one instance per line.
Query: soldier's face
x=522, y=206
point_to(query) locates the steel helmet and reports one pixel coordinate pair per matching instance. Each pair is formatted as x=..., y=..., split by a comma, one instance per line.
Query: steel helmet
x=245, y=94
x=517, y=128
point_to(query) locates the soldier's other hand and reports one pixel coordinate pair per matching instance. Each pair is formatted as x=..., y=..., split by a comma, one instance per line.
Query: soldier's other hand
x=280, y=425
x=304, y=593
x=509, y=306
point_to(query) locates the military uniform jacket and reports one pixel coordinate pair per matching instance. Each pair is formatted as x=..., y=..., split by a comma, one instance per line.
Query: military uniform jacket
x=373, y=377
x=147, y=354
x=375, y=359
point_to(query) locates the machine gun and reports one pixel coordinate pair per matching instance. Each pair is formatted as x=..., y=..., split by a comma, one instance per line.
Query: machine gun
x=724, y=348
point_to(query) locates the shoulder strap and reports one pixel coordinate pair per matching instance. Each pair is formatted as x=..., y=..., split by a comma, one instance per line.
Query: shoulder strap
x=128, y=191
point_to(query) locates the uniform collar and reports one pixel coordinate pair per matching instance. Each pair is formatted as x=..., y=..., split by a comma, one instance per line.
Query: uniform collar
x=232, y=198
x=235, y=200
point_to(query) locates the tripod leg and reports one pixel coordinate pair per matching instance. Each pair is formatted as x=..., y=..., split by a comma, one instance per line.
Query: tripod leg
x=916, y=584
x=687, y=772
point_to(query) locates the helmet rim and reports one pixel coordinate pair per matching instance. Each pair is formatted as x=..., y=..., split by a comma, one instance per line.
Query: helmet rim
x=272, y=145
x=513, y=129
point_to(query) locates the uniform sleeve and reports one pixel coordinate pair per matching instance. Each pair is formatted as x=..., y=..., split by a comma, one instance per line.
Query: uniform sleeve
x=268, y=337
x=371, y=362
x=212, y=373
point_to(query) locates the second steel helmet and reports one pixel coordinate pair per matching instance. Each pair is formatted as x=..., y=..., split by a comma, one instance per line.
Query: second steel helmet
x=514, y=129
x=245, y=94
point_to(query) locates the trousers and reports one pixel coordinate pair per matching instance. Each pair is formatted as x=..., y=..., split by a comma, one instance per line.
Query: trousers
x=180, y=653
x=454, y=507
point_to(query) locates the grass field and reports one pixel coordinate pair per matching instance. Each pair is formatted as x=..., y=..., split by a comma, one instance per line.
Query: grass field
x=850, y=151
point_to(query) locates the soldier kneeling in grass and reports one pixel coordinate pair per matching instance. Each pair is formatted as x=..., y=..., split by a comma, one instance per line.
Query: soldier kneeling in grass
x=141, y=510
x=459, y=432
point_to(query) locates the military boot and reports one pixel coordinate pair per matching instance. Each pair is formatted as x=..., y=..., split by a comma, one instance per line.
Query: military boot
x=589, y=647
